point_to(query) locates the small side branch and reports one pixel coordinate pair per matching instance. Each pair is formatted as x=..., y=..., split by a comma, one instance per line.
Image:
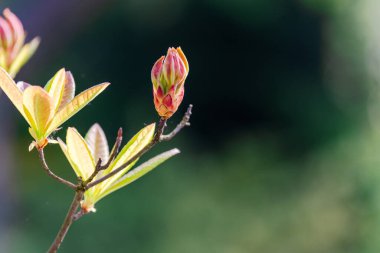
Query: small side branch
x=184, y=122
x=51, y=174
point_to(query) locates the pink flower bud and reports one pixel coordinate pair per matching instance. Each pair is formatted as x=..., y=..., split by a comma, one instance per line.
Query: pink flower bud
x=168, y=77
x=14, y=52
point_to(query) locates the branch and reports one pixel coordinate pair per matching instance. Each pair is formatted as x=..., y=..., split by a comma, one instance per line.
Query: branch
x=115, y=151
x=67, y=222
x=156, y=139
x=50, y=173
x=184, y=122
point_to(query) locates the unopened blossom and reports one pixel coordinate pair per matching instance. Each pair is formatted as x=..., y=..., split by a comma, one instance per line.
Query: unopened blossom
x=168, y=77
x=14, y=52
x=45, y=109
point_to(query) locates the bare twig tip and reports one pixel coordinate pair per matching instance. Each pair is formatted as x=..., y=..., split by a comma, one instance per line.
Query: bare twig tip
x=120, y=132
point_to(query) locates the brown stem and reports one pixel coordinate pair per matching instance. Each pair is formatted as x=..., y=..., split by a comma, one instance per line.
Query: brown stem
x=67, y=222
x=184, y=122
x=50, y=173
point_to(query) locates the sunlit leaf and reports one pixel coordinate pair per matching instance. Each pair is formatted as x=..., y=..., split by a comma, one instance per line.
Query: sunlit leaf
x=69, y=90
x=135, y=145
x=139, y=172
x=98, y=144
x=38, y=107
x=76, y=105
x=10, y=89
x=73, y=165
x=56, y=87
x=79, y=153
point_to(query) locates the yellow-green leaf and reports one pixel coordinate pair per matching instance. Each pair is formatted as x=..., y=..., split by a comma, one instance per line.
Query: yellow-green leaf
x=97, y=141
x=38, y=107
x=135, y=145
x=139, y=172
x=10, y=89
x=79, y=153
x=73, y=165
x=56, y=87
x=75, y=105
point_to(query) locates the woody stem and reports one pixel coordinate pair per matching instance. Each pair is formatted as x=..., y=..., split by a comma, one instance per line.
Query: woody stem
x=67, y=222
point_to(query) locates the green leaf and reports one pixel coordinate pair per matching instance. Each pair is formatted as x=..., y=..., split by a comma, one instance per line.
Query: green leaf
x=38, y=107
x=56, y=87
x=76, y=105
x=73, y=165
x=10, y=89
x=79, y=153
x=139, y=171
x=135, y=145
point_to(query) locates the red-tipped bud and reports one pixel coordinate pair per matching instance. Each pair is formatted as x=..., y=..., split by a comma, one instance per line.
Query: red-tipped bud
x=168, y=77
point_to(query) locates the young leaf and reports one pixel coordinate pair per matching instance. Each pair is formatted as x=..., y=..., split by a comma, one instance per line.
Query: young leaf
x=73, y=165
x=134, y=145
x=97, y=141
x=76, y=105
x=56, y=88
x=137, y=143
x=139, y=171
x=10, y=89
x=38, y=107
x=69, y=90
x=80, y=153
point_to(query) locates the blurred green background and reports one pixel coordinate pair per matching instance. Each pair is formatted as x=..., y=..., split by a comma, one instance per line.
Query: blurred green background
x=283, y=152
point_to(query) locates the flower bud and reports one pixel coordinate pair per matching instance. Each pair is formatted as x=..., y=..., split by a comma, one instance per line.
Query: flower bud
x=168, y=77
x=14, y=53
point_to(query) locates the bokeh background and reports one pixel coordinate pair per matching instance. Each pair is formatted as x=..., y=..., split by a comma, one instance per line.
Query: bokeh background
x=283, y=151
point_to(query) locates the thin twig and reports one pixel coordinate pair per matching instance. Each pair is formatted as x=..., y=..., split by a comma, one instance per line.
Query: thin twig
x=115, y=151
x=67, y=222
x=156, y=139
x=184, y=122
x=50, y=173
